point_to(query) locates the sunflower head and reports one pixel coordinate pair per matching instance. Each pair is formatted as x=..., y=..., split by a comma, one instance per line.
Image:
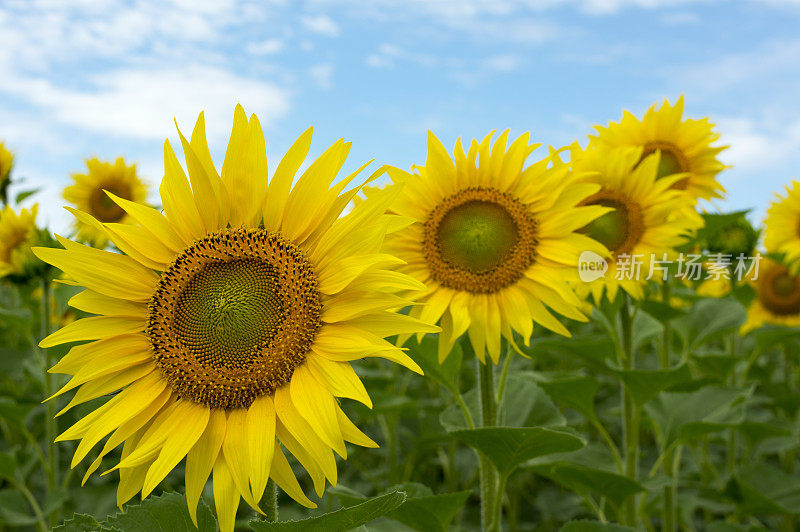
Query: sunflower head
x=494, y=240
x=18, y=233
x=782, y=232
x=686, y=146
x=645, y=214
x=228, y=322
x=89, y=194
x=6, y=164
x=777, y=298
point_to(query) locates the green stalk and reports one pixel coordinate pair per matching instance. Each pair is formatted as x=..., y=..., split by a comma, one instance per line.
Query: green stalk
x=51, y=424
x=270, y=502
x=630, y=413
x=671, y=466
x=488, y=475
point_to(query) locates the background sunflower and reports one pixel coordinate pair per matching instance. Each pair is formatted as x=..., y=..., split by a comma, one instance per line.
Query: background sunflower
x=88, y=194
x=782, y=233
x=494, y=242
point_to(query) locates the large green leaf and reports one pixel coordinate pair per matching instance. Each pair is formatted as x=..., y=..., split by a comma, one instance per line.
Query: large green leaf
x=164, y=512
x=339, y=520
x=645, y=328
x=525, y=404
x=645, y=385
x=593, y=350
x=584, y=480
x=593, y=526
x=574, y=392
x=760, y=488
x=81, y=523
x=688, y=415
x=708, y=319
x=422, y=510
x=508, y=447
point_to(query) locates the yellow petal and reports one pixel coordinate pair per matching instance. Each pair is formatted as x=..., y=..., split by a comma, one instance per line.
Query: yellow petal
x=260, y=424
x=185, y=434
x=283, y=476
x=201, y=459
x=316, y=404
x=278, y=192
x=338, y=377
x=226, y=496
x=176, y=195
x=235, y=449
x=95, y=303
x=153, y=221
x=93, y=329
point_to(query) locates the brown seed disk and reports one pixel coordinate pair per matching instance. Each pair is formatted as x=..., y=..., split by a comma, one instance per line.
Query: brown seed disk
x=233, y=316
x=479, y=240
x=779, y=291
x=628, y=222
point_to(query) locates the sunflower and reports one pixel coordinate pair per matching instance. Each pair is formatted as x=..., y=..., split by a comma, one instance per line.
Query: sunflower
x=6, y=163
x=494, y=242
x=88, y=194
x=228, y=322
x=783, y=227
x=641, y=230
x=685, y=146
x=777, y=298
x=17, y=233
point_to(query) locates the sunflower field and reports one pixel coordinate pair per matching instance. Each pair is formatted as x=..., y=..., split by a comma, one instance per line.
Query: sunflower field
x=503, y=337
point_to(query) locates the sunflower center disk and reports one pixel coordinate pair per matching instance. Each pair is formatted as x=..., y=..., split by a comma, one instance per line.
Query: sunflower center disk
x=779, y=292
x=103, y=207
x=479, y=240
x=672, y=161
x=233, y=316
x=618, y=230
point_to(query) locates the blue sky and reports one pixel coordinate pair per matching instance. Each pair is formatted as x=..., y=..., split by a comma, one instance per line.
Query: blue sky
x=105, y=78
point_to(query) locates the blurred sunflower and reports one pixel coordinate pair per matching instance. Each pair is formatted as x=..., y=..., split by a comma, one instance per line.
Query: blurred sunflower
x=88, y=194
x=782, y=233
x=494, y=243
x=229, y=322
x=777, y=298
x=6, y=164
x=642, y=225
x=17, y=233
x=685, y=146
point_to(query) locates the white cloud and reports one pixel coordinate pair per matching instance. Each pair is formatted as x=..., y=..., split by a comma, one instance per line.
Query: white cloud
x=267, y=47
x=322, y=25
x=140, y=102
x=321, y=74
x=502, y=63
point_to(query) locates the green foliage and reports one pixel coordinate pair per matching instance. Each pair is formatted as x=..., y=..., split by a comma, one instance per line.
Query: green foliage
x=340, y=520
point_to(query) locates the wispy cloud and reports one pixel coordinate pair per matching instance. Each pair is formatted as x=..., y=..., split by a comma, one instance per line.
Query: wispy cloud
x=322, y=25
x=322, y=75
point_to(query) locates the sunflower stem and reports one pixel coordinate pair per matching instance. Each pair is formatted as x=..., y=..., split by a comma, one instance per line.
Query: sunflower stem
x=630, y=413
x=270, y=502
x=671, y=466
x=488, y=475
x=51, y=425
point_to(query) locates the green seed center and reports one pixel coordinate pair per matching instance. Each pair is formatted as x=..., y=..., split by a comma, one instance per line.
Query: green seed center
x=477, y=235
x=611, y=229
x=229, y=311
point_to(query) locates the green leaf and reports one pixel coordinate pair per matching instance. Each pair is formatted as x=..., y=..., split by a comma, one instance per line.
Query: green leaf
x=81, y=523
x=508, y=447
x=422, y=510
x=339, y=520
x=645, y=385
x=25, y=194
x=426, y=355
x=593, y=526
x=14, y=509
x=575, y=392
x=763, y=489
x=452, y=418
x=645, y=327
x=594, y=350
x=772, y=335
x=164, y=512
x=708, y=319
x=525, y=404
x=687, y=415
x=584, y=480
